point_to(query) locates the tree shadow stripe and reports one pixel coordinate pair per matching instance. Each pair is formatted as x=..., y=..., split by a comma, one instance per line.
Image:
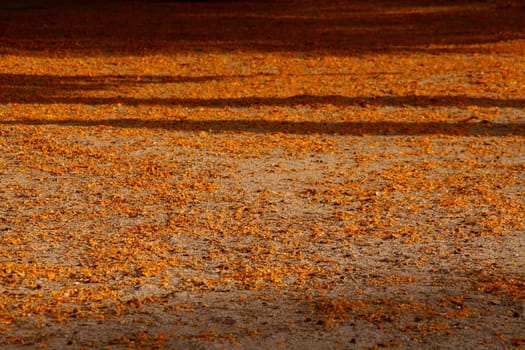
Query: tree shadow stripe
x=261, y=126
x=314, y=100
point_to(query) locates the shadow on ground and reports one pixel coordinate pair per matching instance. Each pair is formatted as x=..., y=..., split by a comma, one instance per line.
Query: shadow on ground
x=298, y=128
x=340, y=27
x=50, y=89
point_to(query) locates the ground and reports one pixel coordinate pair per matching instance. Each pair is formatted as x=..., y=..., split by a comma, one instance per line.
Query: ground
x=260, y=175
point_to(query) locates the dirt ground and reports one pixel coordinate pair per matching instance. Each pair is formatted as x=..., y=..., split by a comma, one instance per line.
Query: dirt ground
x=262, y=175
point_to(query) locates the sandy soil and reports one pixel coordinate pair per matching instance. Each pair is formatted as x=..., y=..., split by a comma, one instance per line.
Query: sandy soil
x=298, y=175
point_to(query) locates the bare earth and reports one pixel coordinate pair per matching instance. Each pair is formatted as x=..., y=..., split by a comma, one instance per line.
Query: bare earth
x=248, y=175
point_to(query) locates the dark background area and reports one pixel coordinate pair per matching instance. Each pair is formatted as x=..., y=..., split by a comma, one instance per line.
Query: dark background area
x=339, y=27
